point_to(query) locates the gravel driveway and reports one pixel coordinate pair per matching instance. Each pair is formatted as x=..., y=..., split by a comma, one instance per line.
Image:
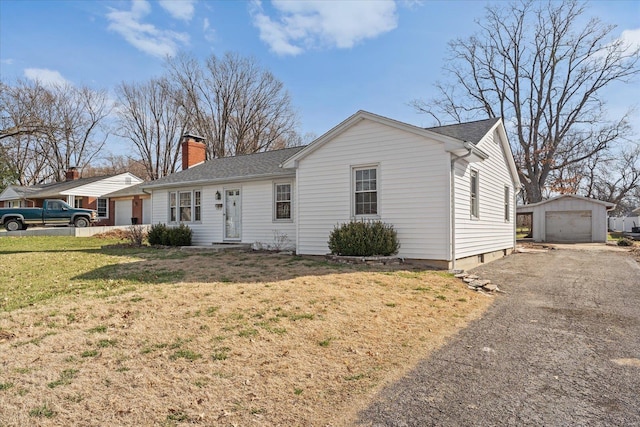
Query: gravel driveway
x=560, y=348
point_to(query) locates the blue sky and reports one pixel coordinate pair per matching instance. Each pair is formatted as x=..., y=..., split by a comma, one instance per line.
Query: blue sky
x=334, y=57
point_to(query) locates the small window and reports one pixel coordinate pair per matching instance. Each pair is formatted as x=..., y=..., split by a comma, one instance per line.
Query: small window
x=185, y=206
x=283, y=201
x=366, y=191
x=103, y=208
x=475, y=180
x=507, y=204
x=173, y=206
x=77, y=203
x=196, y=206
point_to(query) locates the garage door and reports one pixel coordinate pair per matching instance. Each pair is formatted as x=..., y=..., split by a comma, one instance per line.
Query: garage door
x=123, y=212
x=568, y=226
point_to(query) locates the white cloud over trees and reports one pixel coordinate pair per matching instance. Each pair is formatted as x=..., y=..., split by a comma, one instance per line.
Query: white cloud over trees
x=46, y=77
x=144, y=36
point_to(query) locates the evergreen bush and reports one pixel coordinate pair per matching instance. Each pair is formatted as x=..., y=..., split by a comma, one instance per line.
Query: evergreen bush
x=360, y=238
x=158, y=235
x=180, y=236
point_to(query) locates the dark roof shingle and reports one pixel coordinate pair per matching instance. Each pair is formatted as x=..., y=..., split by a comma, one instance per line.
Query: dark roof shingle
x=263, y=164
x=470, y=131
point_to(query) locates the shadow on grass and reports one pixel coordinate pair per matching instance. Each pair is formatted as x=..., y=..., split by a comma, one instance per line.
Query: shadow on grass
x=173, y=265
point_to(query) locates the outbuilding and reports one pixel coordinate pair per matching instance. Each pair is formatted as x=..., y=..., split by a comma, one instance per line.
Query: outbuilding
x=568, y=219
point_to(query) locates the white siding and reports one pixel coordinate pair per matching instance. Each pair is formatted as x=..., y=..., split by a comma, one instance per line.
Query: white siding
x=146, y=211
x=104, y=186
x=160, y=206
x=489, y=232
x=598, y=216
x=258, y=223
x=413, y=188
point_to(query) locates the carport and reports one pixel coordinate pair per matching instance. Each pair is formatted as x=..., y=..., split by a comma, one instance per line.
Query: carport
x=568, y=219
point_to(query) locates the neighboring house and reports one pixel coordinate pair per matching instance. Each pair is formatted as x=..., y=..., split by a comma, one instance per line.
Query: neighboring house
x=448, y=191
x=79, y=192
x=132, y=205
x=568, y=219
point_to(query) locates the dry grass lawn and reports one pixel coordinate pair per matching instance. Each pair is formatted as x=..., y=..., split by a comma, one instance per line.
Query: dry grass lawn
x=235, y=339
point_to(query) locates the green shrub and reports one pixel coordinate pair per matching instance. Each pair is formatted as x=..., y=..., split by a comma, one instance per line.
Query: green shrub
x=359, y=238
x=625, y=242
x=180, y=236
x=160, y=234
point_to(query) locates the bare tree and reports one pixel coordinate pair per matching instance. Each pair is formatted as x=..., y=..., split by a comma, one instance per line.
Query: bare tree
x=151, y=116
x=75, y=136
x=116, y=164
x=22, y=127
x=614, y=178
x=236, y=105
x=46, y=130
x=536, y=65
x=17, y=105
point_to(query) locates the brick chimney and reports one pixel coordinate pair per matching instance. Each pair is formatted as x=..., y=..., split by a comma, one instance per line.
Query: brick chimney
x=72, y=174
x=193, y=150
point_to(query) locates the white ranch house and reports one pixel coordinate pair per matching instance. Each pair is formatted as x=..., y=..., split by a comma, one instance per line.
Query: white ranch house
x=448, y=191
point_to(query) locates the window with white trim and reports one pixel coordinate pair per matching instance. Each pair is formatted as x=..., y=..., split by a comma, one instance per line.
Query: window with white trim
x=507, y=203
x=185, y=206
x=282, y=201
x=475, y=185
x=197, y=216
x=173, y=206
x=102, y=206
x=365, y=191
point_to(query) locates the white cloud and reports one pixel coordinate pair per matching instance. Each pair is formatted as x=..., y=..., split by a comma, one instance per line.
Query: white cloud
x=209, y=33
x=302, y=25
x=45, y=76
x=179, y=9
x=145, y=37
x=8, y=61
x=631, y=37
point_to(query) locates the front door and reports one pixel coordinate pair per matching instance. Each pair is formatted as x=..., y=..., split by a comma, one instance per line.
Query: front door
x=232, y=214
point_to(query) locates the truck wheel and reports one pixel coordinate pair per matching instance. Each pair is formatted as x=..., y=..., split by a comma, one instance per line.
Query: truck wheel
x=81, y=222
x=13, y=225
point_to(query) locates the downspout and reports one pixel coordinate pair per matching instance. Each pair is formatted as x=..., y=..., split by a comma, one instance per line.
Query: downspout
x=452, y=229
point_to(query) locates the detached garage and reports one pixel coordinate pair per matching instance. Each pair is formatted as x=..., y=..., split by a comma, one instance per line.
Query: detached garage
x=568, y=219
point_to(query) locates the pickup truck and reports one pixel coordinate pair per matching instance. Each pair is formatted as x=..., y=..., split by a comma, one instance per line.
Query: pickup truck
x=52, y=212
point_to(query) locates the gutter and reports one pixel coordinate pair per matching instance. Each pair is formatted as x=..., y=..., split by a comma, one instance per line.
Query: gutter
x=452, y=236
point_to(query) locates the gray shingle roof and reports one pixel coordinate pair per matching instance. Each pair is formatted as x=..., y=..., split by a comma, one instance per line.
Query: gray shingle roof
x=134, y=190
x=264, y=164
x=470, y=131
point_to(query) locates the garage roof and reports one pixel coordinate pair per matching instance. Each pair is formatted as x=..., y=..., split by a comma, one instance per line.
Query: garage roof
x=529, y=208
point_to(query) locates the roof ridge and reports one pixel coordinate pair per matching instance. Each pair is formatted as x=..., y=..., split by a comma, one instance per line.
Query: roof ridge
x=255, y=153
